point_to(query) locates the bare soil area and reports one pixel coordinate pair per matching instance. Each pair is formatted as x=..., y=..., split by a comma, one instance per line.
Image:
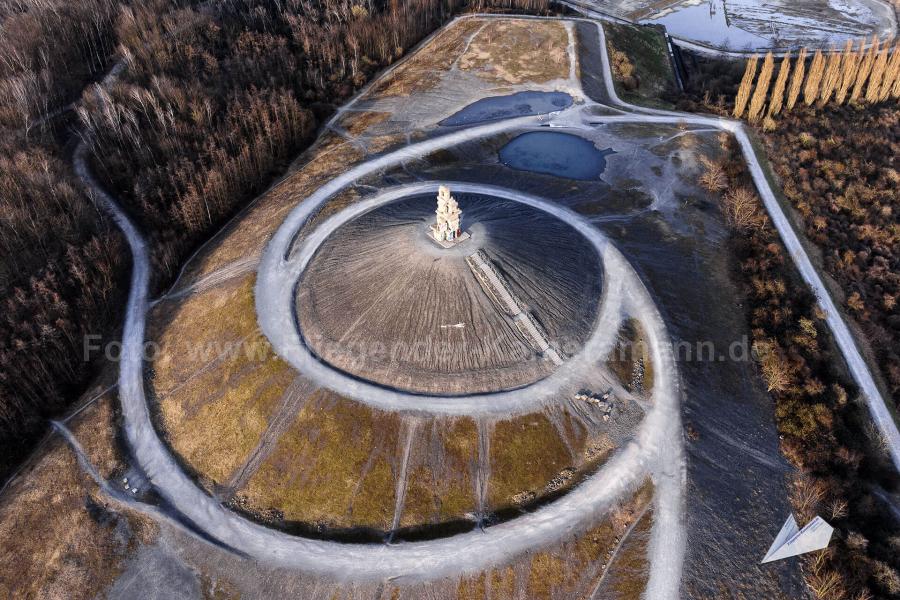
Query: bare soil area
x=382, y=301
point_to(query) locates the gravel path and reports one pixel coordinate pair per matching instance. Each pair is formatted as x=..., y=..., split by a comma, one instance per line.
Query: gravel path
x=656, y=450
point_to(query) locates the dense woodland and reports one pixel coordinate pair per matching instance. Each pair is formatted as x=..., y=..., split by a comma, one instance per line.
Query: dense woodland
x=838, y=168
x=212, y=102
x=49, y=50
x=62, y=271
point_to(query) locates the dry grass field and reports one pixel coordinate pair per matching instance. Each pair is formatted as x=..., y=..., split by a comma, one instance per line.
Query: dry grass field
x=574, y=568
x=526, y=454
x=435, y=57
x=333, y=468
x=316, y=476
x=443, y=472
x=59, y=538
x=630, y=359
x=216, y=379
x=512, y=52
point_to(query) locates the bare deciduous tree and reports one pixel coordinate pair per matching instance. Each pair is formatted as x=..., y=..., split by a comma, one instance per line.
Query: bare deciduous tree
x=777, y=100
x=743, y=94
x=757, y=103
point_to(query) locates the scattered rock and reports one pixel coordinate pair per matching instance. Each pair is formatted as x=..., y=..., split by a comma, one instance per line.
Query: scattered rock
x=523, y=498
x=606, y=402
x=637, y=376
x=692, y=432
x=558, y=482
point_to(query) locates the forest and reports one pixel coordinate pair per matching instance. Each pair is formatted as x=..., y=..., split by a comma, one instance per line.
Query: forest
x=62, y=275
x=211, y=102
x=838, y=170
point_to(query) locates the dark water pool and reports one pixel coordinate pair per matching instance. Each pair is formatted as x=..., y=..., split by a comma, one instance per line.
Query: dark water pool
x=520, y=104
x=555, y=153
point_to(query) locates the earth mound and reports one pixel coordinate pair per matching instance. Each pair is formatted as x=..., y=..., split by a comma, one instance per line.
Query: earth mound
x=382, y=302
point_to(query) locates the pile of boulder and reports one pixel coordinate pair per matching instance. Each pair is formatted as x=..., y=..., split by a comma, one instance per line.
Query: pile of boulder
x=606, y=403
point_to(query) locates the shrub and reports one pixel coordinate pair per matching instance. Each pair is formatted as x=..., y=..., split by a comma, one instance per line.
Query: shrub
x=742, y=209
x=713, y=177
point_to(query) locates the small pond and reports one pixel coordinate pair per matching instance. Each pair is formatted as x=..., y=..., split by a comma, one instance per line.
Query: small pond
x=520, y=104
x=555, y=153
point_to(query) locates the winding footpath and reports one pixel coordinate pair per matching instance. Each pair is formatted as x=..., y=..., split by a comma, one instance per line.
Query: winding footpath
x=655, y=451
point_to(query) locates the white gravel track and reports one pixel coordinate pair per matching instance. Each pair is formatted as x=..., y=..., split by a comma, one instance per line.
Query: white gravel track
x=656, y=450
x=275, y=305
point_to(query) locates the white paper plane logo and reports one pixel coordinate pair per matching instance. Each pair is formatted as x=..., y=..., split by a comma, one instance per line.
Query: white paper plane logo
x=792, y=540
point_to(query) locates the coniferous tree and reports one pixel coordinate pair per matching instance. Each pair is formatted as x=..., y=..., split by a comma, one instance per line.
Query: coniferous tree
x=831, y=78
x=873, y=90
x=895, y=87
x=865, y=67
x=849, y=66
x=777, y=99
x=891, y=73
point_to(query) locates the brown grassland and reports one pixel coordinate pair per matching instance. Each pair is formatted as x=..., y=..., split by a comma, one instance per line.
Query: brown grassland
x=216, y=379
x=315, y=477
x=527, y=53
x=631, y=357
x=59, y=538
x=574, y=568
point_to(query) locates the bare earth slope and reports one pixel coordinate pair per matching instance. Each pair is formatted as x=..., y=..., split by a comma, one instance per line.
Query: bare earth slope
x=382, y=301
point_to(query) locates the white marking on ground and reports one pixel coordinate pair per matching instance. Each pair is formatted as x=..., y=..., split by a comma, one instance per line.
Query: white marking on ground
x=411, y=426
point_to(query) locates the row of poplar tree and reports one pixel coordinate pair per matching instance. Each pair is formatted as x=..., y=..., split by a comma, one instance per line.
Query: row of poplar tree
x=869, y=73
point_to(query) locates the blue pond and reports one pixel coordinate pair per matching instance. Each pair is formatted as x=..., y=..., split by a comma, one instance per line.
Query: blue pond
x=555, y=153
x=520, y=104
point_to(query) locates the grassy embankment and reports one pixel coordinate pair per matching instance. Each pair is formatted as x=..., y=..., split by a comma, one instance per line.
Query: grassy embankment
x=610, y=557
x=642, y=70
x=59, y=536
